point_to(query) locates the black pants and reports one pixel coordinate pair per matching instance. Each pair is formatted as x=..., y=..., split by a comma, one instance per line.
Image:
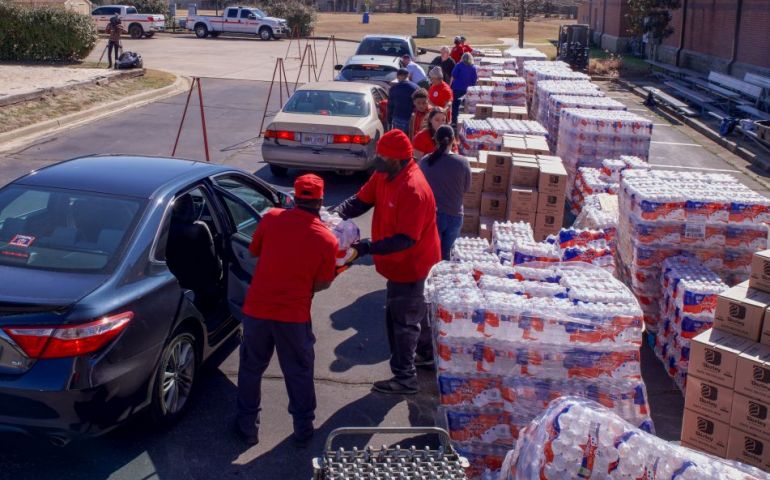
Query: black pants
x=111, y=45
x=406, y=316
x=294, y=344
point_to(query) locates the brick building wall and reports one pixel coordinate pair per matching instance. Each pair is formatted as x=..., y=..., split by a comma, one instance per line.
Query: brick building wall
x=709, y=33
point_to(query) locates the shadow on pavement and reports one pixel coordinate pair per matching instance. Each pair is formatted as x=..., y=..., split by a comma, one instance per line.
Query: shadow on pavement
x=367, y=347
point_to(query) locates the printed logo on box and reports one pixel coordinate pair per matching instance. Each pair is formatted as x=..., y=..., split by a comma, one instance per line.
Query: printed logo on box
x=737, y=311
x=708, y=392
x=753, y=446
x=757, y=410
x=713, y=357
x=705, y=426
x=761, y=374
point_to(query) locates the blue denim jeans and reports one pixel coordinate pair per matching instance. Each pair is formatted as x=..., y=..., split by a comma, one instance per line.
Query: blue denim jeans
x=457, y=98
x=449, y=227
x=401, y=124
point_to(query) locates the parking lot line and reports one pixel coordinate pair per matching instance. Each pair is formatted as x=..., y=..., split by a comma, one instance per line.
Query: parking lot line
x=726, y=170
x=677, y=144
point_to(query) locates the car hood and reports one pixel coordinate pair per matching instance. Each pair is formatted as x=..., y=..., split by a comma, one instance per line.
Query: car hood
x=44, y=288
x=317, y=123
x=374, y=59
x=273, y=20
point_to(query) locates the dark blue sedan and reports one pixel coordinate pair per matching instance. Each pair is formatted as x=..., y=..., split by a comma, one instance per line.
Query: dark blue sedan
x=119, y=276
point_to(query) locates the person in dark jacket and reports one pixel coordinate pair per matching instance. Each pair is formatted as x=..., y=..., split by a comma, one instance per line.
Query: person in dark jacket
x=446, y=63
x=449, y=177
x=464, y=75
x=400, y=104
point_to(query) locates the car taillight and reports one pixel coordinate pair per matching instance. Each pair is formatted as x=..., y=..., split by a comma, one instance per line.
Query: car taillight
x=280, y=134
x=69, y=341
x=357, y=139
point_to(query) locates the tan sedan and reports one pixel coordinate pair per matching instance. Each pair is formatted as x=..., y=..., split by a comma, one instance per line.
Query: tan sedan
x=331, y=126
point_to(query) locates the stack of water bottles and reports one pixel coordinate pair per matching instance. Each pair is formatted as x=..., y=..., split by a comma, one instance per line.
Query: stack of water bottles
x=533, y=67
x=346, y=231
x=555, y=103
x=586, y=137
x=598, y=213
x=488, y=65
x=665, y=213
x=522, y=55
x=511, y=338
x=606, y=179
x=687, y=308
x=479, y=135
x=576, y=438
x=508, y=91
x=547, y=88
x=594, y=246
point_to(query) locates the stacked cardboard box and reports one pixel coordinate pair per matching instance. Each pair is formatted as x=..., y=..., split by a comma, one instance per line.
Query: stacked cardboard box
x=518, y=188
x=727, y=406
x=487, y=110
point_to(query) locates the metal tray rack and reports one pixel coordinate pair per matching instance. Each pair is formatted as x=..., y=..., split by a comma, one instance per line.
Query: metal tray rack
x=386, y=463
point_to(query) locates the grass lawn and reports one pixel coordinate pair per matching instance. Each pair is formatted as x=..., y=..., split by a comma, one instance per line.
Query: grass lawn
x=538, y=32
x=54, y=106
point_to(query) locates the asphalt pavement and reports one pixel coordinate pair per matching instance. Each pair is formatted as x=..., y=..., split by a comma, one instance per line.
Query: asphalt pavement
x=348, y=319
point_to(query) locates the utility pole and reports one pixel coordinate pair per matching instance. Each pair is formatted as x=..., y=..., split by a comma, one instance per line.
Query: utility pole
x=522, y=7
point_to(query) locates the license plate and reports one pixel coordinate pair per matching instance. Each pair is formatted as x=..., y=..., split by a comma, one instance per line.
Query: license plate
x=314, y=139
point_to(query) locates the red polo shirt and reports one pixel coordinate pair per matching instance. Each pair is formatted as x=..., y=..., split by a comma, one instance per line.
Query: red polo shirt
x=440, y=95
x=404, y=205
x=295, y=251
x=457, y=53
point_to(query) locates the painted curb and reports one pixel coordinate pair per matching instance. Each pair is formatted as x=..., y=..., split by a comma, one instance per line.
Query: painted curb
x=21, y=136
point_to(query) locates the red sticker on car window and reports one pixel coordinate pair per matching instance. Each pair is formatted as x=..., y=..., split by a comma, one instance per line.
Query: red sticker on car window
x=22, y=241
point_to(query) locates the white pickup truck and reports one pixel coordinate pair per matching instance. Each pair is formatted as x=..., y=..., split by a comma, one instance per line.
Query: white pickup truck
x=247, y=20
x=138, y=24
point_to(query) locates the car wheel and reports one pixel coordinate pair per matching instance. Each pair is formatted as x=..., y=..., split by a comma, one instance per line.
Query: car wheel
x=149, y=34
x=265, y=33
x=174, y=379
x=136, y=31
x=201, y=30
x=278, y=171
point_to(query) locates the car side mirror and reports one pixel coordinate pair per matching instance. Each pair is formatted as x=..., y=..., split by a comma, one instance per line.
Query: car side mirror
x=338, y=67
x=422, y=51
x=285, y=200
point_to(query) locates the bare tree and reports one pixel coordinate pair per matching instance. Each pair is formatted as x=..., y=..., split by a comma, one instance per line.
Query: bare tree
x=527, y=8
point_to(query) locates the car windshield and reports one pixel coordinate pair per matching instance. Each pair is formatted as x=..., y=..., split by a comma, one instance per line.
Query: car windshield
x=369, y=72
x=131, y=11
x=383, y=46
x=259, y=13
x=324, y=102
x=64, y=230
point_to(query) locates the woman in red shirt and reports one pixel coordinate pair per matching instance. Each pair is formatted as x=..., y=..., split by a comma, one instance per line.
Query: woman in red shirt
x=440, y=93
x=424, y=142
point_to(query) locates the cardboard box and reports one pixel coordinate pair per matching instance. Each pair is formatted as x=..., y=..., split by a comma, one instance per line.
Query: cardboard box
x=550, y=203
x=496, y=182
x=498, y=162
x=518, y=113
x=478, y=162
x=549, y=221
x=485, y=227
x=760, y=271
x=741, y=310
x=749, y=414
x=524, y=173
x=548, y=158
x=477, y=180
x=522, y=199
x=470, y=222
x=553, y=178
x=493, y=205
x=483, y=110
x=472, y=201
x=708, y=398
x=714, y=356
x=522, y=216
x=748, y=449
x=705, y=433
x=515, y=144
x=753, y=371
x=537, y=144
x=501, y=111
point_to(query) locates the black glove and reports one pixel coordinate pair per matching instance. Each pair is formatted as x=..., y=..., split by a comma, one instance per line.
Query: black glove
x=362, y=247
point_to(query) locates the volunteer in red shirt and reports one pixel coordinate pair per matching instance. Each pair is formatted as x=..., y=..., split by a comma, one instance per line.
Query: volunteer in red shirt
x=405, y=246
x=296, y=259
x=440, y=93
x=457, y=50
x=424, y=141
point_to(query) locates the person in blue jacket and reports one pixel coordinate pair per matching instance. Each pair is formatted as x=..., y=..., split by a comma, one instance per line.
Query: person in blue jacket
x=464, y=75
x=400, y=104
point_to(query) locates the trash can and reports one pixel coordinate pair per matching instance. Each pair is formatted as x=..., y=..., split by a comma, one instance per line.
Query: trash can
x=366, y=17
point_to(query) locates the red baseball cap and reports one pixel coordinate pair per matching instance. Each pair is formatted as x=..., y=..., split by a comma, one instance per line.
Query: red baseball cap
x=309, y=187
x=395, y=144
